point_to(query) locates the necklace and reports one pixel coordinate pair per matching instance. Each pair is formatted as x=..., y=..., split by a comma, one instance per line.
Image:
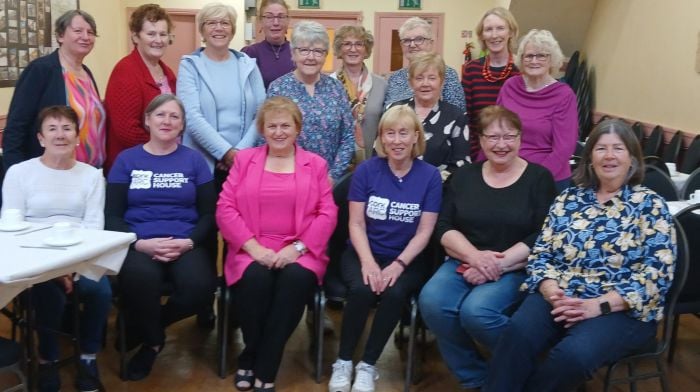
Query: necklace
x=277, y=51
x=486, y=70
x=402, y=172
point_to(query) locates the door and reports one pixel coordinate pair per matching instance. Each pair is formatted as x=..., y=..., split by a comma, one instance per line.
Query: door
x=388, y=56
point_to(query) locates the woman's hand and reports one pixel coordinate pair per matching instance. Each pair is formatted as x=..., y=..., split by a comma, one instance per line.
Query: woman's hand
x=573, y=310
x=265, y=256
x=488, y=263
x=285, y=256
x=372, y=275
x=390, y=274
x=66, y=281
x=165, y=249
x=474, y=277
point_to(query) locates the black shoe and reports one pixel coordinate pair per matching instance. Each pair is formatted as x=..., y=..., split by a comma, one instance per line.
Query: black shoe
x=49, y=378
x=141, y=363
x=239, y=379
x=88, y=379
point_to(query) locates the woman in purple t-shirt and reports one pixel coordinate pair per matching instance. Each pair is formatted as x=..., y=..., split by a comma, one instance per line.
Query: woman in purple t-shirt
x=394, y=201
x=163, y=192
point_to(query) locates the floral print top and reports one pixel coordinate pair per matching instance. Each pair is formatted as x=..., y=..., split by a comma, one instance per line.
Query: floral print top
x=327, y=123
x=398, y=88
x=627, y=244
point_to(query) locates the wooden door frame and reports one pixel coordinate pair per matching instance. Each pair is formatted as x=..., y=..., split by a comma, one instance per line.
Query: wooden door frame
x=439, y=34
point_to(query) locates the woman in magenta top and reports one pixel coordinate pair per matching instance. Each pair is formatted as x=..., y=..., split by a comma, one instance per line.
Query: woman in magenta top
x=547, y=108
x=276, y=213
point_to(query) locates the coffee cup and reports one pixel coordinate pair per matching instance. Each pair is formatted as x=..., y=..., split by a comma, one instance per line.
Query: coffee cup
x=62, y=230
x=695, y=197
x=671, y=168
x=11, y=216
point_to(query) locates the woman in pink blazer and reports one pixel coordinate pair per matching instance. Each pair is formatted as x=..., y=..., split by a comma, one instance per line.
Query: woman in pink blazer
x=276, y=213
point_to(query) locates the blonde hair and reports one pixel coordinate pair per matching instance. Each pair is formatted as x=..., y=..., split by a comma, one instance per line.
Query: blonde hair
x=216, y=10
x=405, y=116
x=358, y=32
x=510, y=21
x=423, y=61
x=278, y=104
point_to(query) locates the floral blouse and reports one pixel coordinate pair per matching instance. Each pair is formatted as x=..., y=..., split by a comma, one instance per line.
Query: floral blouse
x=327, y=123
x=627, y=244
x=398, y=88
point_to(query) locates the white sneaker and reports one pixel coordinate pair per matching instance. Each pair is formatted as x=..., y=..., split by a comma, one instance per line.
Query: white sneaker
x=341, y=377
x=365, y=375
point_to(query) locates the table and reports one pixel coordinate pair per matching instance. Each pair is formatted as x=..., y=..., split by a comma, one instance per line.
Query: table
x=679, y=179
x=99, y=252
x=674, y=207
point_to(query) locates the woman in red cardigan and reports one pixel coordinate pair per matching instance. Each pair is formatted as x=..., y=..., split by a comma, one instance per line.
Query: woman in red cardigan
x=137, y=79
x=276, y=213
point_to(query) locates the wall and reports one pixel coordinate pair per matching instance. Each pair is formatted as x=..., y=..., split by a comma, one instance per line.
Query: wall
x=643, y=54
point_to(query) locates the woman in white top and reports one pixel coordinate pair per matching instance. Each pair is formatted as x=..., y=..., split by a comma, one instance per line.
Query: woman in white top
x=56, y=188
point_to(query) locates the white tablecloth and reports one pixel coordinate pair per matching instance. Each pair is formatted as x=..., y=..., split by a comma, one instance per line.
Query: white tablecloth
x=98, y=253
x=679, y=179
x=674, y=207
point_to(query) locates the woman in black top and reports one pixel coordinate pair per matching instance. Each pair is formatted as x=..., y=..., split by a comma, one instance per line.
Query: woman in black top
x=491, y=215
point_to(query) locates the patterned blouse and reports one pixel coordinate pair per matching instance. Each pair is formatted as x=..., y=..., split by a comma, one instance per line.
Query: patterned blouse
x=627, y=244
x=327, y=123
x=398, y=88
x=446, y=135
x=82, y=96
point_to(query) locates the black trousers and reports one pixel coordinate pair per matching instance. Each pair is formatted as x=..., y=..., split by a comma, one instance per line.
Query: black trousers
x=141, y=279
x=361, y=299
x=269, y=304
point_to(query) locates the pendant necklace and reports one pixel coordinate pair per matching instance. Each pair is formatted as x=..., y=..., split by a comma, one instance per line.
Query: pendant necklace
x=275, y=52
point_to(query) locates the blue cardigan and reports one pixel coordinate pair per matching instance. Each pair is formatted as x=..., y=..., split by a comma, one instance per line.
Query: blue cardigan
x=40, y=85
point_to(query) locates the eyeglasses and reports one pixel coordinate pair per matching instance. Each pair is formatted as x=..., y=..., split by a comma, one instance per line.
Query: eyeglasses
x=538, y=56
x=418, y=41
x=318, y=53
x=211, y=23
x=508, y=138
x=348, y=44
x=269, y=18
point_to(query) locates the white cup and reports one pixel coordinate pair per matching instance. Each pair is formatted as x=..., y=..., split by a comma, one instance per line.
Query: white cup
x=695, y=197
x=12, y=216
x=62, y=230
x=671, y=168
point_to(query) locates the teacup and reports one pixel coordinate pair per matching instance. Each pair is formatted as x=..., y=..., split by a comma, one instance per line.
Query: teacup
x=671, y=168
x=695, y=197
x=11, y=216
x=62, y=230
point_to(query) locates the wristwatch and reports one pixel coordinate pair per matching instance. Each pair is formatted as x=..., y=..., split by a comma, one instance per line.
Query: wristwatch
x=299, y=247
x=605, y=308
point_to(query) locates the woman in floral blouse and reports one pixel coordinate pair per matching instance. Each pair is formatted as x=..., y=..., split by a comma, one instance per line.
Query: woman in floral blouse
x=598, y=273
x=327, y=125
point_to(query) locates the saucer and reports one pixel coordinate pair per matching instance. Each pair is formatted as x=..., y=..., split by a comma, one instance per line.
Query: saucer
x=16, y=226
x=66, y=241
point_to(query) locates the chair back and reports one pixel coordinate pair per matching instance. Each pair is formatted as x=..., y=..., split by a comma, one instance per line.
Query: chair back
x=638, y=130
x=689, y=297
x=653, y=143
x=672, y=149
x=334, y=286
x=653, y=160
x=571, y=68
x=691, y=160
x=691, y=184
x=656, y=180
x=680, y=275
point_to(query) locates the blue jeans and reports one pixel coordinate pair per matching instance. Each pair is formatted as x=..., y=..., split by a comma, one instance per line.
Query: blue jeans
x=49, y=300
x=574, y=354
x=458, y=313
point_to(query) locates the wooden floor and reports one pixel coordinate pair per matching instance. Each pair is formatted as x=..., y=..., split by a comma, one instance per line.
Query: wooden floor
x=188, y=364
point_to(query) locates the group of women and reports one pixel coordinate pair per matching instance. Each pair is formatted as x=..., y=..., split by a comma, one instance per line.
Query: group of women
x=253, y=146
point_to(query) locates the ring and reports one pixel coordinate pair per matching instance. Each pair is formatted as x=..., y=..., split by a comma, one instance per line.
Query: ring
x=385, y=279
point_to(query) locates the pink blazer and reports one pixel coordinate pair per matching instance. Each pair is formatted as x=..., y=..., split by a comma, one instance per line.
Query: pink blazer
x=238, y=210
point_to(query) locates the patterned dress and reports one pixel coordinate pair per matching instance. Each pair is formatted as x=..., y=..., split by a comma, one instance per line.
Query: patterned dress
x=627, y=244
x=327, y=123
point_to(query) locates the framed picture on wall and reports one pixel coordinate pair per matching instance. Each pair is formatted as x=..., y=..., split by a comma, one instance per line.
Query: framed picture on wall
x=26, y=33
x=409, y=4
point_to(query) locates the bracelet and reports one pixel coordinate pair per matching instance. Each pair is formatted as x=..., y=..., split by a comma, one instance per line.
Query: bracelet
x=191, y=244
x=401, y=263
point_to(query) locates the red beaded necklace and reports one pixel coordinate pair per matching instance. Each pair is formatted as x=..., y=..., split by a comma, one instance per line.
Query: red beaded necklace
x=486, y=70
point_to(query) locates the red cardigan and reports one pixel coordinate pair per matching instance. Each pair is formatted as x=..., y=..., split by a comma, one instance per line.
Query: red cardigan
x=129, y=90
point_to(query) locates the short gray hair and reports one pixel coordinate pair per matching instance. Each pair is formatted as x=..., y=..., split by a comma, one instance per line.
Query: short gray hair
x=216, y=10
x=65, y=20
x=309, y=33
x=414, y=23
x=542, y=40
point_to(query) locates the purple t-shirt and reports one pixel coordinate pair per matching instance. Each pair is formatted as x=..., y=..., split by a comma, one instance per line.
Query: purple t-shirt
x=393, y=206
x=273, y=61
x=162, y=196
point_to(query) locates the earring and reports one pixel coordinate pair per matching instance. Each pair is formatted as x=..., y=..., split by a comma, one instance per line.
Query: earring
x=42, y=144
x=77, y=144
